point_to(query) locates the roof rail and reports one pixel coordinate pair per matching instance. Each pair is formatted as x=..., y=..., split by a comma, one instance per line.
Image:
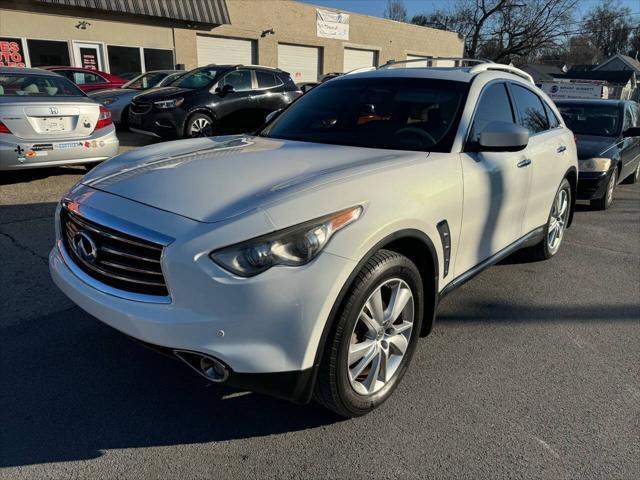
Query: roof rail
x=503, y=68
x=390, y=63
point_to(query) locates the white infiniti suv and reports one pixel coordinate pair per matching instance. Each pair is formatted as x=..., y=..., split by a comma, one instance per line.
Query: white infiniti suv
x=305, y=261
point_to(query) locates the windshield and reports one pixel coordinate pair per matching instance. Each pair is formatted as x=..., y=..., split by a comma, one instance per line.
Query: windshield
x=18, y=85
x=145, y=81
x=391, y=113
x=197, y=79
x=587, y=119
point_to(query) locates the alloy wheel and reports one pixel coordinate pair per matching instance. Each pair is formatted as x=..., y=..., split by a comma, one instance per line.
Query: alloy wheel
x=559, y=218
x=380, y=336
x=200, y=127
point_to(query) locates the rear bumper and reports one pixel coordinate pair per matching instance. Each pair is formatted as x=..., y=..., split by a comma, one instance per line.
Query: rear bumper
x=592, y=185
x=18, y=154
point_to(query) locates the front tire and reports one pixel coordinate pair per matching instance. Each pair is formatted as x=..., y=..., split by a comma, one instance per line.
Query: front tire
x=556, y=225
x=198, y=125
x=375, y=333
x=607, y=199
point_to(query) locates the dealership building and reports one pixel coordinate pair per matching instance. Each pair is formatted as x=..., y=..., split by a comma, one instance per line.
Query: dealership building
x=127, y=36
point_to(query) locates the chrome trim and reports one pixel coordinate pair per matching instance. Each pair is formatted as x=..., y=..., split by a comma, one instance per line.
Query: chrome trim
x=129, y=269
x=103, y=288
x=113, y=251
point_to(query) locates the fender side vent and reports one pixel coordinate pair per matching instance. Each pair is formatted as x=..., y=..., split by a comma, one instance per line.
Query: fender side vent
x=445, y=238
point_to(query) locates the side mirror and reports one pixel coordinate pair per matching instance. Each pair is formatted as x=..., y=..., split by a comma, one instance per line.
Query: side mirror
x=631, y=132
x=225, y=89
x=272, y=115
x=502, y=137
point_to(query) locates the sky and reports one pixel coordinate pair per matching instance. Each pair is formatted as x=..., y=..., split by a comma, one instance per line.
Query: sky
x=376, y=7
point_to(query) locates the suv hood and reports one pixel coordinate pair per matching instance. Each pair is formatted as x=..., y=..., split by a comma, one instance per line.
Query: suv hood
x=590, y=146
x=162, y=93
x=111, y=92
x=212, y=179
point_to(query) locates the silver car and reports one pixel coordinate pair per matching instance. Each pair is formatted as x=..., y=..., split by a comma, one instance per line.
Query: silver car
x=45, y=120
x=117, y=100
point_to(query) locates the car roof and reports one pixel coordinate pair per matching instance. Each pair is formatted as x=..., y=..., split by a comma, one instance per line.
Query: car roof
x=28, y=71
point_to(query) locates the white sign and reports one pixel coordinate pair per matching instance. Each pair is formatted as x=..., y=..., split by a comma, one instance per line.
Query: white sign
x=562, y=90
x=332, y=25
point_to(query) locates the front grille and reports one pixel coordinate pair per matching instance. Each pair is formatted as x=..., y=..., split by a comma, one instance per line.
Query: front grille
x=122, y=261
x=140, y=108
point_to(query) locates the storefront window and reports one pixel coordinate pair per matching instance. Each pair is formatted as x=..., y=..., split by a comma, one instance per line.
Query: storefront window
x=124, y=60
x=11, y=52
x=44, y=53
x=156, y=59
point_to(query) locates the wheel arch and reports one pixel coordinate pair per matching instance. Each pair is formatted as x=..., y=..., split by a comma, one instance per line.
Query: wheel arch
x=200, y=109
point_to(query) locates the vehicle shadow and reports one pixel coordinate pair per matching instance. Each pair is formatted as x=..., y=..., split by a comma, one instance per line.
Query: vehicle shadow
x=23, y=176
x=73, y=387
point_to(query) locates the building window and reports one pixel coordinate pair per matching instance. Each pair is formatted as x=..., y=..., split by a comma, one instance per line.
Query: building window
x=11, y=52
x=124, y=60
x=46, y=52
x=157, y=59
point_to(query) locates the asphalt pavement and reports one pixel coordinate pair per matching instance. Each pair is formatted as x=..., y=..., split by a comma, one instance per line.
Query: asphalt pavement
x=532, y=371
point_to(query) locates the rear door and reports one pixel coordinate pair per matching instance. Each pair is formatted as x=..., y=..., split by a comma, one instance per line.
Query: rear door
x=235, y=109
x=269, y=92
x=495, y=186
x=630, y=152
x=549, y=144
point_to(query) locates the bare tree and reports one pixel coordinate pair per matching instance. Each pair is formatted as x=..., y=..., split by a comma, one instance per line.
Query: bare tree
x=609, y=28
x=634, y=43
x=396, y=10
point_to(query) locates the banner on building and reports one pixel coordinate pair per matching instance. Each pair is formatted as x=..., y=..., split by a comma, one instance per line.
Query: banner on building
x=332, y=25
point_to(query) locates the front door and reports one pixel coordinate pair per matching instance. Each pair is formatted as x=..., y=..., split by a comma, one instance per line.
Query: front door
x=496, y=187
x=88, y=55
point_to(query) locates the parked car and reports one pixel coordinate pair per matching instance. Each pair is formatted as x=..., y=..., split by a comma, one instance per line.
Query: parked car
x=117, y=100
x=307, y=259
x=87, y=79
x=608, y=137
x=306, y=86
x=45, y=120
x=213, y=100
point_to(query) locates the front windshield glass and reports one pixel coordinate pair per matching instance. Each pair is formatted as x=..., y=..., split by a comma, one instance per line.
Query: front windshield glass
x=392, y=113
x=591, y=119
x=145, y=81
x=197, y=79
x=18, y=85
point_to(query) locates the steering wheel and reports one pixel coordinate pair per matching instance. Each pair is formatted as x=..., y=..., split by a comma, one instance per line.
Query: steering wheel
x=424, y=135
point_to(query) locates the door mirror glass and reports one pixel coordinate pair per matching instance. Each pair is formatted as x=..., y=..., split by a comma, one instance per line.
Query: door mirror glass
x=502, y=137
x=631, y=132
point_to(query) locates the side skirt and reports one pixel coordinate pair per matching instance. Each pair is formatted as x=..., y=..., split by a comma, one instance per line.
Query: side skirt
x=530, y=239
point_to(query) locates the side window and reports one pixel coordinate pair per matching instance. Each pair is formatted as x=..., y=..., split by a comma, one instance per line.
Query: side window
x=240, y=80
x=636, y=111
x=531, y=110
x=266, y=79
x=494, y=106
x=551, y=117
x=83, y=78
x=628, y=118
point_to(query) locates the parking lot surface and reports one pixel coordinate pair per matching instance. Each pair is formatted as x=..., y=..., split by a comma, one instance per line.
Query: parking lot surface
x=532, y=371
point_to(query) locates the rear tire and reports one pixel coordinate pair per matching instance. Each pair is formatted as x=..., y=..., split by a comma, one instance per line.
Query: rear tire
x=373, y=337
x=556, y=225
x=607, y=199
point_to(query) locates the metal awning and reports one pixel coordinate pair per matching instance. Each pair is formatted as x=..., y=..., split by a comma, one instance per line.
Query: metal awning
x=211, y=12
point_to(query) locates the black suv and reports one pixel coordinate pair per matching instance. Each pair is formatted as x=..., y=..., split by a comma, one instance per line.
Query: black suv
x=213, y=100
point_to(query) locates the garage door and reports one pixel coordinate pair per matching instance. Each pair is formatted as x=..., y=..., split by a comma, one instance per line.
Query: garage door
x=356, y=58
x=225, y=51
x=303, y=63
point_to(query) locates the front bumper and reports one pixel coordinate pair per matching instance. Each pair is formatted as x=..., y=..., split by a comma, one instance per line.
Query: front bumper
x=266, y=329
x=15, y=152
x=161, y=123
x=592, y=185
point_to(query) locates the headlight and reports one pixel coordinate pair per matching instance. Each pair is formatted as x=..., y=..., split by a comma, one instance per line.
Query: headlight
x=108, y=101
x=165, y=104
x=293, y=246
x=595, y=165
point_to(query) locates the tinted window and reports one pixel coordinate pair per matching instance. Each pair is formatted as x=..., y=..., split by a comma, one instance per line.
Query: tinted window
x=37, y=86
x=635, y=110
x=145, y=81
x=124, y=60
x=392, y=113
x=240, y=80
x=531, y=110
x=157, y=59
x=266, y=79
x=45, y=52
x=197, y=78
x=551, y=117
x=82, y=78
x=591, y=119
x=629, y=120
x=494, y=106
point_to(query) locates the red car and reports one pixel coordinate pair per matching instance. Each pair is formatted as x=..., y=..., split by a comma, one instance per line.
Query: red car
x=89, y=80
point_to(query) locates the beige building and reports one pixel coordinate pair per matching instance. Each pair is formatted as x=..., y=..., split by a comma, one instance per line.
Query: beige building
x=142, y=35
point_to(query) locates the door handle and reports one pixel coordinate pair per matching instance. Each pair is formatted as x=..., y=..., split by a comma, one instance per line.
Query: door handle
x=561, y=149
x=524, y=162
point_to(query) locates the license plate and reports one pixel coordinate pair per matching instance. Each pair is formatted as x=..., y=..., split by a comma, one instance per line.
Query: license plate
x=53, y=124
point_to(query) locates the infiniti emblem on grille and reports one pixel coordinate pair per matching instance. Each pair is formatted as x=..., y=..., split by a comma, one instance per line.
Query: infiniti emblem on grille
x=85, y=247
